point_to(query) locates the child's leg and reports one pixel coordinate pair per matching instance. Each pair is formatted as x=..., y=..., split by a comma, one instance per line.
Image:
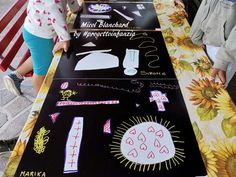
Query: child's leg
x=26, y=67
x=37, y=82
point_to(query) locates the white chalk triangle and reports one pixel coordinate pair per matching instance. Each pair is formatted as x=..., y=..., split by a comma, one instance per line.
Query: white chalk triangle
x=137, y=13
x=89, y=44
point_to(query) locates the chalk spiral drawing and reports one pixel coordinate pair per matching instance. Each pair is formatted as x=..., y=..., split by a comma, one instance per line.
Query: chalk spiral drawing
x=153, y=48
x=163, y=86
x=144, y=144
x=40, y=140
x=134, y=82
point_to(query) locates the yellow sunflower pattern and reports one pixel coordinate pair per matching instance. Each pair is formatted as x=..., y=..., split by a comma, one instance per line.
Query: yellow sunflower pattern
x=211, y=110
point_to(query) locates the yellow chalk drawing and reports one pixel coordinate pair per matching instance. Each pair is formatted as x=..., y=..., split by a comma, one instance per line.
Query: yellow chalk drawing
x=66, y=94
x=41, y=139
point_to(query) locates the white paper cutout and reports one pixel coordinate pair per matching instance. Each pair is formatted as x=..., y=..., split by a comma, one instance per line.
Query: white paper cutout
x=131, y=61
x=64, y=85
x=95, y=16
x=79, y=103
x=159, y=98
x=99, y=8
x=123, y=15
x=147, y=143
x=107, y=127
x=140, y=6
x=137, y=13
x=89, y=44
x=93, y=51
x=73, y=146
x=96, y=61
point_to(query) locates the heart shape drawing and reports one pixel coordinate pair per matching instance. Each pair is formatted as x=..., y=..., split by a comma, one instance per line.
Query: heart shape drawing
x=129, y=141
x=143, y=147
x=141, y=137
x=133, y=153
x=164, y=149
x=151, y=129
x=159, y=133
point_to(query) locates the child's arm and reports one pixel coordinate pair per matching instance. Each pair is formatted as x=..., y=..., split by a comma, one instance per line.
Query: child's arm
x=225, y=55
x=58, y=18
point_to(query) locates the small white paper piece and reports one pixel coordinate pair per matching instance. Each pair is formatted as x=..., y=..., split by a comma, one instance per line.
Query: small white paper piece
x=137, y=13
x=131, y=61
x=89, y=44
x=73, y=146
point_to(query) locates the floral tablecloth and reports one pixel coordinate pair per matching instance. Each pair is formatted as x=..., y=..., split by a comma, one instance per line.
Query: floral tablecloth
x=212, y=113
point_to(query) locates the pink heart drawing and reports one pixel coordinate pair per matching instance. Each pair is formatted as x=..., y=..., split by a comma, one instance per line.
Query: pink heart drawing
x=164, y=149
x=151, y=155
x=141, y=137
x=151, y=129
x=157, y=143
x=129, y=141
x=133, y=153
x=143, y=147
x=133, y=131
x=159, y=133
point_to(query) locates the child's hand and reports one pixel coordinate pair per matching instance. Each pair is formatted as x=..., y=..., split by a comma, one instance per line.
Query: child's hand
x=220, y=73
x=61, y=45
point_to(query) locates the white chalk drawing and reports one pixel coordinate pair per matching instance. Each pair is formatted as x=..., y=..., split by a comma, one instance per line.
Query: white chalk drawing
x=76, y=34
x=163, y=86
x=73, y=144
x=149, y=44
x=139, y=84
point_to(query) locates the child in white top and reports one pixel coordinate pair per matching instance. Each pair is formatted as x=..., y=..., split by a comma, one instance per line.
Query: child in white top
x=45, y=20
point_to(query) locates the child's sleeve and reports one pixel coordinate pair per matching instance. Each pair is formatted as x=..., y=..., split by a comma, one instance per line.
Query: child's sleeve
x=58, y=19
x=227, y=52
x=74, y=5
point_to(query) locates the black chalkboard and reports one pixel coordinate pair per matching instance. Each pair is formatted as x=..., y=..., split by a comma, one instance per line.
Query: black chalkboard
x=154, y=61
x=114, y=15
x=95, y=157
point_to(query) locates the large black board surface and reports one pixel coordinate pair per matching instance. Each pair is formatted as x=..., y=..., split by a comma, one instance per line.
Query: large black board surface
x=118, y=16
x=154, y=61
x=95, y=157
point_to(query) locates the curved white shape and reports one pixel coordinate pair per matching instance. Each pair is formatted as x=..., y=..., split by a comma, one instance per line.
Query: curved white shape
x=147, y=143
x=97, y=60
